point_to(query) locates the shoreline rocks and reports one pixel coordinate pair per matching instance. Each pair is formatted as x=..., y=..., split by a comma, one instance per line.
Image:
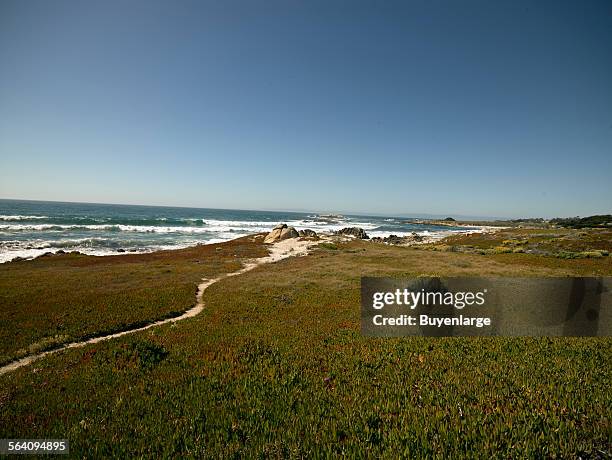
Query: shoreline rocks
x=356, y=232
x=399, y=240
x=281, y=232
x=308, y=233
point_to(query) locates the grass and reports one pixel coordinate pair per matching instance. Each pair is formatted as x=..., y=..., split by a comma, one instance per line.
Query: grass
x=54, y=300
x=547, y=242
x=275, y=366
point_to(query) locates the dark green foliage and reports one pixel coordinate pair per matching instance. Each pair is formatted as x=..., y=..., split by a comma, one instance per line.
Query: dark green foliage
x=603, y=220
x=140, y=353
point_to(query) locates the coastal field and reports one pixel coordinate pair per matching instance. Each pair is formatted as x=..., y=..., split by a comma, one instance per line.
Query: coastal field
x=58, y=299
x=275, y=365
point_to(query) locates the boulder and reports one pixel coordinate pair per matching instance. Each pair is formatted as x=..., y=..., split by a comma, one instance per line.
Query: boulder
x=307, y=232
x=281, y=232
x=288, y=232
x=395, y=239
x=417, y=237
x=357, y=232
x=274, y=235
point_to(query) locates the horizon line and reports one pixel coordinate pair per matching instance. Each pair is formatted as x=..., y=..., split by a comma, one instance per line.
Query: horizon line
x=359, y=213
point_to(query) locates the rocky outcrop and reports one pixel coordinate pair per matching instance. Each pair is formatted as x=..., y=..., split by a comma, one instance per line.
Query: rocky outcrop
x=357, y=232
x=281, y=232
x=397, y=240
x=308, y=232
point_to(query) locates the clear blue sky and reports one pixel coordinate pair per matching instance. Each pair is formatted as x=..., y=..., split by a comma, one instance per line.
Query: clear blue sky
x=494, y=108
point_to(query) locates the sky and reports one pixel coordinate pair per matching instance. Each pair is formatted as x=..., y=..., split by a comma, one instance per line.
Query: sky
x=488, y=108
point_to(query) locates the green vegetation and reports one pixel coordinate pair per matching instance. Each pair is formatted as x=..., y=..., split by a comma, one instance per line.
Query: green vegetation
x=585, y=222
x=600, y=221
x=558, y=243
x=54, y=300
x=142, y=354
x=275, y=366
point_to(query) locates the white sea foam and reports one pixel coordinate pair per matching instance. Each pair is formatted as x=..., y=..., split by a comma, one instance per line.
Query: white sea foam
x=211, y=226
x=103, y=227
x=39, y=250
x=33, y=253
x=106, y=237
x=9, y=218
x=430, y=234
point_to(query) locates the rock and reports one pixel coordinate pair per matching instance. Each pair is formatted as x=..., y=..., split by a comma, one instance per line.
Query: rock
x=46, y=254
x=281, y=232
x=18, y=259
x=120, y=250
x=416, y=237
x=357, y=232
x=61, y=251
x=307, y=232
x=274, y=235
x=289, y=232
x=395, y=239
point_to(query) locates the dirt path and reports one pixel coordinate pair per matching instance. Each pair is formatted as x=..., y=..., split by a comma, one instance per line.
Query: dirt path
x=278, y=251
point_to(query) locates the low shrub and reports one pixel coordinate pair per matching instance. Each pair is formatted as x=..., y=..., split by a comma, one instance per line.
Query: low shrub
x=591, y=254
x=141, y=354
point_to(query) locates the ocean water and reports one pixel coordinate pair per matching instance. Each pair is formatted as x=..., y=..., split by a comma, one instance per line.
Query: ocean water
x=31, y=228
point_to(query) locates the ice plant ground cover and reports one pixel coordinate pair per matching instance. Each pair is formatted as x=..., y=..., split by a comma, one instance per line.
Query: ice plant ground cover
x=275, y=365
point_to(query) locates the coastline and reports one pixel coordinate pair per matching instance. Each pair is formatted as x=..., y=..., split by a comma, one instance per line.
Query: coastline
x=30, y=230
x=424, y=237
x=284, y=333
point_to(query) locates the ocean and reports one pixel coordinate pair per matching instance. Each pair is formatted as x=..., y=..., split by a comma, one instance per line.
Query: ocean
x=31, y=228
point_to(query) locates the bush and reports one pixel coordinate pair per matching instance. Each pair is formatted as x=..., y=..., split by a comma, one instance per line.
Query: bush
x=141, y=354
x=585, y=222
x=591, y=254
